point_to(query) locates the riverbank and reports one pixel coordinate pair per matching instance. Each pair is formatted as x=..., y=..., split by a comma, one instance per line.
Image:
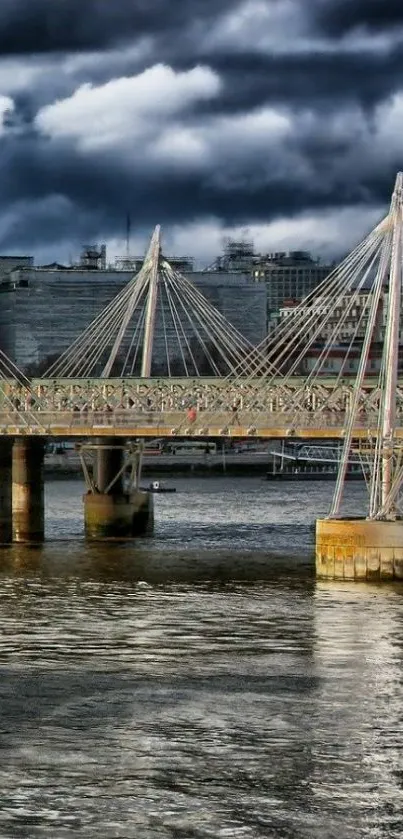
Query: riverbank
x=242, y=464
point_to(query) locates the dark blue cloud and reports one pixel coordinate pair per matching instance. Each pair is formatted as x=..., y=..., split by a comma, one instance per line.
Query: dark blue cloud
x=313, y=74
x=339, y=17
x=43, y=26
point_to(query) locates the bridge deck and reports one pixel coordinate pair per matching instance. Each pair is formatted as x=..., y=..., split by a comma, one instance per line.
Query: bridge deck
x=161, y=407
x=121, y=424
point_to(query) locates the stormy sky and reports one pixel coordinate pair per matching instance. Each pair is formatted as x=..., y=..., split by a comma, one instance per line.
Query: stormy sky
x=280, y=120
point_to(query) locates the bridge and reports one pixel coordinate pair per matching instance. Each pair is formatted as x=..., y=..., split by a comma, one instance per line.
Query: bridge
x=160, y=360
x=135, y=407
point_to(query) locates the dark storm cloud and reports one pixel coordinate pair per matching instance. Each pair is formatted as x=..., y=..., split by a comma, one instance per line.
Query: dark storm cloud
x=53, y=192
x=62, y=195
x=42, y=26
x=339, y=17
x=322, y=79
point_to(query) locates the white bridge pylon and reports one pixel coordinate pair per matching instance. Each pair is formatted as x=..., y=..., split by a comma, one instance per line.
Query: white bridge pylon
x=159, y=325
x=386, y=475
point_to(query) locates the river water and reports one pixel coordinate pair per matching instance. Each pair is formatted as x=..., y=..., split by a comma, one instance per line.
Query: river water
x=201, y=683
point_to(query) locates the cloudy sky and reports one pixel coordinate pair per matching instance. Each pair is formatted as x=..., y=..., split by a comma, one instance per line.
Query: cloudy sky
x=278, y=119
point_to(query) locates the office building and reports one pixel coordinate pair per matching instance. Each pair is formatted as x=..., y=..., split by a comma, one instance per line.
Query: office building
x=46, y=308
x=288, y=276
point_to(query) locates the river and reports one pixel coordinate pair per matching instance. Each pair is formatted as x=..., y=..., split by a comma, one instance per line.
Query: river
x=200, y=684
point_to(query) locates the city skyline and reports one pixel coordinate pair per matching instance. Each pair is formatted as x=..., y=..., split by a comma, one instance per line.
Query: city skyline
x=281, y=117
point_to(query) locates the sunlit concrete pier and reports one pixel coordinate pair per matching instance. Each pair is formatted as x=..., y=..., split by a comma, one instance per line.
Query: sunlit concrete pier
x=112, y=510
x=28, y=489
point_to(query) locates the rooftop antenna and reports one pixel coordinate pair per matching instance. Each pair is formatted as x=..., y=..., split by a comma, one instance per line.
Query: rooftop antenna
x=128, y=231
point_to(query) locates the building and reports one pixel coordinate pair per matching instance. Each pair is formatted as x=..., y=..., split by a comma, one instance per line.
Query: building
x=338, y=361
x=238, y=299
x=183, y=264
x=9, y=263
x=345, y=319
x=288, y=276
x=340, y=325
x=46, y=308
x=238, y=256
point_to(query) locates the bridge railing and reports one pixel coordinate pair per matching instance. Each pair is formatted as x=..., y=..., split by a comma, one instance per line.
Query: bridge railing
x=174, y=422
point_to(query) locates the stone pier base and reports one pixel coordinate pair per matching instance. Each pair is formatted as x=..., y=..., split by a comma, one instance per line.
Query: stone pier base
x=6, y=527
x=359, y=549
x=27, y=491
x=118, y=516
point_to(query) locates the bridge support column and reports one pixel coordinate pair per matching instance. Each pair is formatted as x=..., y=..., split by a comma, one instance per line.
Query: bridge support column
x=28, y=490
x=6, y=527
x=110, y=512
x=359, y=549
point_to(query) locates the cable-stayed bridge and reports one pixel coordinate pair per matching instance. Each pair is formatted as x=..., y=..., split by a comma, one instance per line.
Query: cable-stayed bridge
x=202, y=407
x=160, y=360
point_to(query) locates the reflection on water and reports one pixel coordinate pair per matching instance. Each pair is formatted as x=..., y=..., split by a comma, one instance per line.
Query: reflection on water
x=211, y=529
x=199, y=684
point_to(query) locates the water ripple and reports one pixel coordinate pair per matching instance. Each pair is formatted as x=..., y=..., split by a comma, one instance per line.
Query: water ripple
x=200, y=684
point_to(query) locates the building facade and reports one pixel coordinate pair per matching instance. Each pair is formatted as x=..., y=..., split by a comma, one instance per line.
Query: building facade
x=238, y=255
x=341, y=326
x=288, y=276
x=45, y=309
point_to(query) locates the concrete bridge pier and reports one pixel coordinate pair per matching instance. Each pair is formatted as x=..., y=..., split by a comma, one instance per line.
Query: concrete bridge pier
x=359, y=549
x=6, y=526
x=28, y=514
x=111, y=509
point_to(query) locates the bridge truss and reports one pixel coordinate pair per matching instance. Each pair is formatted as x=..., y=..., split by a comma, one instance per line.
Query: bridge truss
x=221, y=407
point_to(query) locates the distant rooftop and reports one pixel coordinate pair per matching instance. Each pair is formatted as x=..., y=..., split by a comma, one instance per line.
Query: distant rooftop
x=24, y=258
